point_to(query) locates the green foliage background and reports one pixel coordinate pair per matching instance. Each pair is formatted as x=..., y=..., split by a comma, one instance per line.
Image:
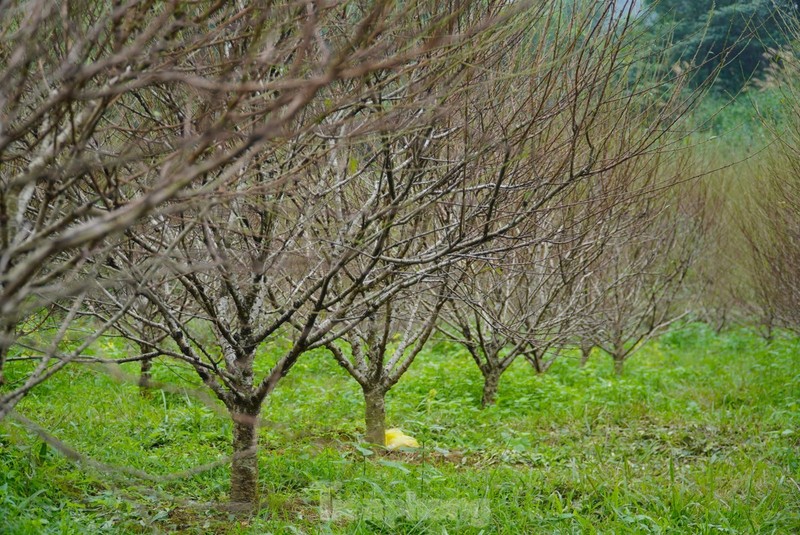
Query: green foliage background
x=733, y=36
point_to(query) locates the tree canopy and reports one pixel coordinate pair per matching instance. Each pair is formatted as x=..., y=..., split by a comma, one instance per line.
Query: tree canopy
x=732, y=36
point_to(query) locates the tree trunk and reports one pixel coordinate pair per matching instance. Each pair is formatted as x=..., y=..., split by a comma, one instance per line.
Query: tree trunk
x=536, y=362
x=244, y=466
x=145, y=375
x=490, y=381
x=769, y=334
x=375, y=416
x=619, y=364
x=722, y=321
x=586, y=351
x=619, y=355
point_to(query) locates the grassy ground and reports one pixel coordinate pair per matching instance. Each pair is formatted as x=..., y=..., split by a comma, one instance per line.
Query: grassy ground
x=700, y=436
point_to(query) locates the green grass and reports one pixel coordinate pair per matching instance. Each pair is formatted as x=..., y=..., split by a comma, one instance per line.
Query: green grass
x=701, y=435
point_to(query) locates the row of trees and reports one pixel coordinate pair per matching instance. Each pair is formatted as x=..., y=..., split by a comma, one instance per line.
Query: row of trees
x=748, y=274
x=208, y=179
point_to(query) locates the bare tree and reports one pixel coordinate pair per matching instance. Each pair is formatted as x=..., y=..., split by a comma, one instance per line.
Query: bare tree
x=767, y=220
x=379, y=350
x=550, y=134
x=502, y=310
x=718, y=285
x=497, y=146
x=637, y=286
x=111, y=112
x=318, y=230
x=85, y=154
x=613, y=124
x=772, y=236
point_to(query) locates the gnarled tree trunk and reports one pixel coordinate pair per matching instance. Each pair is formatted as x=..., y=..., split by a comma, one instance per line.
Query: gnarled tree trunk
x=375, y=415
